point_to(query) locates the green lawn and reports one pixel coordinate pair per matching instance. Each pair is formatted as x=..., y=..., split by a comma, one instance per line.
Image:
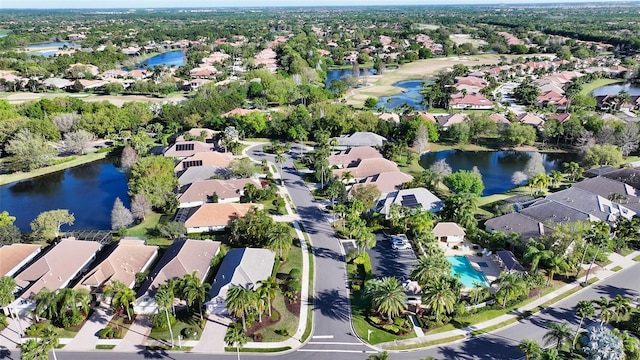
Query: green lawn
x=145, y=230
x=589, y=87
x=637, y=258
x=79, y=160
x=427, y=343
x=258, y=350
x=182, y=322
x=104, y=347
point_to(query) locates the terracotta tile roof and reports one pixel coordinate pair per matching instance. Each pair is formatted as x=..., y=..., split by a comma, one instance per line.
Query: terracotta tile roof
x=368, y=167
x=530, y=119
x=237, y=112
x=126, y=259
x=182, y=257
x=187, y=148
x=208, y=158
x=386, y=181
x=13, y=255
x=351, y=155
x=220, y=214
x=561, y=117
x=448, y=120
x=471, y=100
x=57, y=267
x=225, y=189
x=499, y=119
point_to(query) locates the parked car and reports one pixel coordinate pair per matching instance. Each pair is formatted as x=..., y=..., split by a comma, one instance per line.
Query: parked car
x=401, y=245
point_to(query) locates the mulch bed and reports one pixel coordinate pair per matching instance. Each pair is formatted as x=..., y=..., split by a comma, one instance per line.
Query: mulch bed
x=293, y=308
x=256, y=326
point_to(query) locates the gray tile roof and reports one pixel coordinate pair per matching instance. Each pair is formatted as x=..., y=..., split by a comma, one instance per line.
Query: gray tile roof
x=195, y=173
x=547, y=210
x=361, y=139
x=516, y=222
x=509, y=261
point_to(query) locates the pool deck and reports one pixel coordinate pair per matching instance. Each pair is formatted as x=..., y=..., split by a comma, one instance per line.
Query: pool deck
x=491, y=272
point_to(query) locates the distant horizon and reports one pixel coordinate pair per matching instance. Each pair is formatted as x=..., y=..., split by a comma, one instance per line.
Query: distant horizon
x=224, y=4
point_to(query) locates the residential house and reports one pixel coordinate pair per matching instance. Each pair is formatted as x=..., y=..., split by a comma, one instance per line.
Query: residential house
x=212, y=217
x=15, y=256
x=208, y=134
x=181, y=258
x=508, y=262
x=392, y=117
x=237, y=112
x=58, y=83
x=427, y=117
x=367, y=167
x=361, y=139
x=385, y=182
x=123, y=261
x=471, y=101
x=183, y=149
x=447, y=120
x=208, y=158
x=195, y=173
x=530, y=119
x=552, y=98
x=352, y=155
x=500, y=119
x=244, y=267
x=629, y=177
x=55, y=269
x=416, y=198
x=515, y=222
x=596, y=206
x=560, y=117
x=449, y=233
x=200, y=192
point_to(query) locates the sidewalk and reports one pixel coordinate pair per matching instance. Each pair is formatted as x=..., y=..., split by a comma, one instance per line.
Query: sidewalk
x=601, y=273
x=9, y=337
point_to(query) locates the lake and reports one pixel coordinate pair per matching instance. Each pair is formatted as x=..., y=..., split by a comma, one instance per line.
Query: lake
x=496, y=167
x=88, y=191
x=337, y=74
x=613, y=89
x=171, y=58
x=411, y=96
x=57, y=44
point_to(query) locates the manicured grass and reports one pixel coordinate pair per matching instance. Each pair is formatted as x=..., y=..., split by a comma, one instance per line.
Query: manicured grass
x=637, y=258
x=168, y=348
x=299, y=165
x=427, y=343
x=413, y=168
x=146, y=228
x=104, y=347
x=79, y=160
x=309, y=324
x=258, y=350
x=361, y=325
x=626, y=251
x=177, y=331
x=617, y=268
x=589, y=87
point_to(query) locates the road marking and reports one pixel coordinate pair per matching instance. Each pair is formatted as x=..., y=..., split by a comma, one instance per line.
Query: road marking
x=340, y=351
x=322, y=337
x=332, y=343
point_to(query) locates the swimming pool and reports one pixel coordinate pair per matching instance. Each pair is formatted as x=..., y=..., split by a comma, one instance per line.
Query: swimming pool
x=468, y=276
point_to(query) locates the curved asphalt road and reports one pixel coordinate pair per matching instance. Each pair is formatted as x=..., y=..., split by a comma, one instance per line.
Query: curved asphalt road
x=332, y=336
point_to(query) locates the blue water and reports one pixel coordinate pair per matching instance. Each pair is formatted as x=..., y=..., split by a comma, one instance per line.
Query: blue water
x=410, y=96
x=171, y=58
x=337, y=74
x=54, y=43
x=469, y=277
x=496, y=167
x=88, y=191
x=614, y=89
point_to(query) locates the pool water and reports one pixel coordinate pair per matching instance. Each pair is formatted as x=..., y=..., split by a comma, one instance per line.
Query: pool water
x=468, y=276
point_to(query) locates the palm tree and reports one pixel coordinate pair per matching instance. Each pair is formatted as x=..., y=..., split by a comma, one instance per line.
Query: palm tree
x=280, y=239
x=381, y=356
x=190, y=288
x=555, y=264
x=45, y=304
x=556, y=178
x=439, y=297
x=268, y=289
x=530, y=348
x=30, y=350
x=122, y=297
x=478, y=293
x=49, y=340
x=387, y=297
x=584, y=308
x=347, y=176
x=7, y=297
x=605, y=313
x=365, y=239
x=599, y=236
x=164, y=298
x=239, y=302
x=430, y=268
x=630, y=343
x=558, y=333
x=510, y=286
x=533, y=253
x=235, y=337
x=621, y=307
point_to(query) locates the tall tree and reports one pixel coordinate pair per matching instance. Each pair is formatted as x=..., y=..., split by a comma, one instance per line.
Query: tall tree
x=510, y=286
x=48, y=223
x=280, y=239
x=140, y=206
x=122, y=297
x=387, y=296
x=239, y=302
x=268, y=289
x=77, y=142
x=236, y=337
x=29, y=151
x=164, y=298
x=584, y=309
x=439, y=297
x=530, y=348
x=153, y=177
x=558, y=333
x=121, y=217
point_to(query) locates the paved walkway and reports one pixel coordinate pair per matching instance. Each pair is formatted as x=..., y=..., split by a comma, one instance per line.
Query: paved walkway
x=87, y=337
x=136, y=337
x=213, y=334
x=10, y=336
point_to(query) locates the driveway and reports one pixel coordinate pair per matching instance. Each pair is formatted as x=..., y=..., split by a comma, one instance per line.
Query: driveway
x=386, y=261
x=87, y=337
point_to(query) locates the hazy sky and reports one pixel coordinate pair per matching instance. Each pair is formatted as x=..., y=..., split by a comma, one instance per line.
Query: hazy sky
x=75, y=4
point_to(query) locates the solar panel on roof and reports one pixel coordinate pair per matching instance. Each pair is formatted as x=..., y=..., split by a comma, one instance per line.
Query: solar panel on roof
x=409, y=201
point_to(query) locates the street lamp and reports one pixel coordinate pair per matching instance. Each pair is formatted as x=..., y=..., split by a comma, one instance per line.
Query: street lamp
x=369, y=331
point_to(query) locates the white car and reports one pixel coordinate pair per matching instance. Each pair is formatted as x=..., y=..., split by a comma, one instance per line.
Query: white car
x=399, y=244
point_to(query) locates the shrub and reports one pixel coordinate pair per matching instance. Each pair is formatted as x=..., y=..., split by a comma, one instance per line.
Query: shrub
x=105, y=333
x=455, y=247
x=355, y=287
x=159, y=320
x=190, y=332
x=375, y=320
x=283, y=332
x=475, y=247
x=275, y=316
x=3, y=321
x=479, y=254
x=295, y=274
x=257, y=337
x=34, y=330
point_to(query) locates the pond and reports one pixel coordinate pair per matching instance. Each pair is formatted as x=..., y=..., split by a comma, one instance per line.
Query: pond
x=411, y=96
x=171, y=58
x=613, y=89
x=496, y=167
x=57, y=44
x=337, y=74
x=88, y=191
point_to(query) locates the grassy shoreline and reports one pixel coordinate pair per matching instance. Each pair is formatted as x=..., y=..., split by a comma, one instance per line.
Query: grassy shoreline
x=80, y=160
x=589, y=87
